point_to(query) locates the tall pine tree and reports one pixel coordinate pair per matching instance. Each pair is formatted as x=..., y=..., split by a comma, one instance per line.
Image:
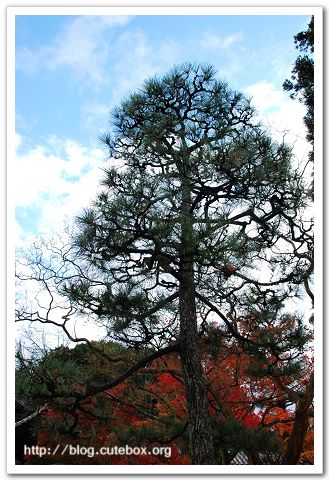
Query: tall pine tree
x=199, y=218
x=199, y=198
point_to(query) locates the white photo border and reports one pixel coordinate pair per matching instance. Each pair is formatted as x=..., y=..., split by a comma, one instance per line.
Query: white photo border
x=170, y=9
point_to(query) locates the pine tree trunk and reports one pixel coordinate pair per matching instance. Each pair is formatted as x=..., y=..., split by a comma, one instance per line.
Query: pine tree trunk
x=296, y=440
x=201, y=441
x=200, y=432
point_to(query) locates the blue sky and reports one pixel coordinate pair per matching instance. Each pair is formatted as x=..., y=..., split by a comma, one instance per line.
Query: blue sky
x=72, y=70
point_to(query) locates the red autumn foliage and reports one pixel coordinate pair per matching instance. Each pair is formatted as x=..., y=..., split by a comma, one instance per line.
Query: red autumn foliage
x=149, y=410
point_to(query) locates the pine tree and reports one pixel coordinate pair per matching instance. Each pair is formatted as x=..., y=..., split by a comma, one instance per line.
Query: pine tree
x=199, y=197
x=199, y=217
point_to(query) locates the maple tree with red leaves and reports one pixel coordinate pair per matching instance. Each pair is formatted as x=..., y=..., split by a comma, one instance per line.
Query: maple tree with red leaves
x=249, y=412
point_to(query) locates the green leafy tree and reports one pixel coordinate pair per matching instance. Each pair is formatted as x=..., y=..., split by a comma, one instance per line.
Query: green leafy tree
x=200, y=217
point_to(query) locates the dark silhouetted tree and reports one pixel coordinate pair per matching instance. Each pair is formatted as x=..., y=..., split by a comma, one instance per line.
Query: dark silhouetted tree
x=301, y=84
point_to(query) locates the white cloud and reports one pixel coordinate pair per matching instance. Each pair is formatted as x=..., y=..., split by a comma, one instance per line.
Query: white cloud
x=281, y=115
x=17, y=140
x=56, y=180
x=81, y=45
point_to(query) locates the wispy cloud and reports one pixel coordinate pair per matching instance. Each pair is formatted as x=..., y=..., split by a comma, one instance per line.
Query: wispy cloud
x=140, y=58
x=95, y=116
x=225, y=51
x=81, y=46
x=211, y=40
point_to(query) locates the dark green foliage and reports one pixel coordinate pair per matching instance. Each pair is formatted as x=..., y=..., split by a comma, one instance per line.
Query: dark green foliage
x=155, y=433
x=301, y=84
x=27, y=433
x=232, y=437
x=60, y=372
